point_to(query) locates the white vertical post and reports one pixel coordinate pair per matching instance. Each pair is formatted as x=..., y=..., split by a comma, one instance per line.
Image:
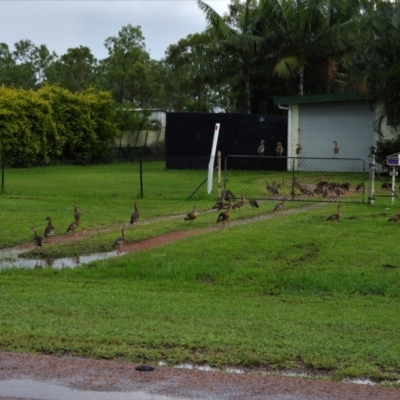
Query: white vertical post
x=212, y=158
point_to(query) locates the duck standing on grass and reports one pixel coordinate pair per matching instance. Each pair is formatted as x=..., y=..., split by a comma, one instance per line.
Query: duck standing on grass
x=279, y=207
x=335, y=217
x=77, y=213
x=118, y=243
x=37, y=239
x=394, y=218
x=135, y=215
x=73, y=225
x=220, y=204
x=49, y=230
x=254, y=203
x=192, y=215
x=224, y=216
x=239, y=203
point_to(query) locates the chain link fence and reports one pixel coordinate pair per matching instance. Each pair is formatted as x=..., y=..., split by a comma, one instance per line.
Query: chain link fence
x=180, y=178
x=297, y=178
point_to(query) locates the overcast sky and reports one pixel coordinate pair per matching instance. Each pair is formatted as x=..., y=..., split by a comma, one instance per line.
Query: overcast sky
x=64, y=24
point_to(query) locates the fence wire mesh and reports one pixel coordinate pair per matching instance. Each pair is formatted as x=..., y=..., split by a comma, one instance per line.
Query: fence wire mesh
x=180, y=178
x=294, y=178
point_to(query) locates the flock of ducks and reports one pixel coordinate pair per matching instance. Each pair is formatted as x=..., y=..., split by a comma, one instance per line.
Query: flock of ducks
x=279, y=149
x=225, y=208
x=49, y=230
x=261, y=149
x=221, y=205
x=321, y=189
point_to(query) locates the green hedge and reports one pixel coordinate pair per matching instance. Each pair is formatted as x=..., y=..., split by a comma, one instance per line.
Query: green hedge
x=55, y=123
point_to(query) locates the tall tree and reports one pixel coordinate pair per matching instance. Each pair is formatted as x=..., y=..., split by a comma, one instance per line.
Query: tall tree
x=75, y=70
x=27, y=66
x=126, y=52
x=382, y=75
x=317, y=31
x=194, y=89
x=242, y=38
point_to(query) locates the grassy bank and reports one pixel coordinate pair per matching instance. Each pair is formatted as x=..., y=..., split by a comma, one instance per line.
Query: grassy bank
x=290, y=292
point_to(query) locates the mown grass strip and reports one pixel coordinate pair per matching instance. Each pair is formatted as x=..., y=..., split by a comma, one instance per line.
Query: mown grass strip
x=290, y=292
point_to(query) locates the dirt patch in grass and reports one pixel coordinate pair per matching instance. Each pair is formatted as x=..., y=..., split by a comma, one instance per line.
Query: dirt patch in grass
x=166, y=238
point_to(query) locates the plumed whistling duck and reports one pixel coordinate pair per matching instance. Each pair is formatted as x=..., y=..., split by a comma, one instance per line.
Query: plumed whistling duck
x=220, y=204
x=261, y=148
x=279, y=206
x=279, y=149
x=192, y=215
x=253, y=203
x=239, y=203
x=336, y=149
x=77, y=213
x=118, y=243
x=394, y=218
x=49, y=230
x=336, y=216
x=74, y=225
x=135, y=215
x=224, y=216
x=37, y=239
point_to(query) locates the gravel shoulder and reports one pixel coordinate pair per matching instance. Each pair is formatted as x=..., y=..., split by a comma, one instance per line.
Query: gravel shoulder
x=103, y=376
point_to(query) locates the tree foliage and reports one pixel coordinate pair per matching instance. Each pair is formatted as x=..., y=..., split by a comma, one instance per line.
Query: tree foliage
x=382, y=63
x=257, y=50
x=55, y=123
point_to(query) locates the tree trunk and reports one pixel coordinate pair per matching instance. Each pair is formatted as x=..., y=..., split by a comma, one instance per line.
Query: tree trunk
x=301, y=81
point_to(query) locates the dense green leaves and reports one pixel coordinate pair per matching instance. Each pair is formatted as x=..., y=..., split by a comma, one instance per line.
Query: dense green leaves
x=259, y=49
x=53, y=122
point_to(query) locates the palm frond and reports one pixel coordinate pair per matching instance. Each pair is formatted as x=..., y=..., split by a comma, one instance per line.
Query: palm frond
x=246, y=43
x=288, y=67
x=336, y=39
x=215, y=20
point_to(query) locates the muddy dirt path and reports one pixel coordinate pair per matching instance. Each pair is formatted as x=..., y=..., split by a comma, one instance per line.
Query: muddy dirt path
x=168, y=237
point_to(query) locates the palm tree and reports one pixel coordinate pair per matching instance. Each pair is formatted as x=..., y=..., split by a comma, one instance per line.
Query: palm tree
x=317, y=30
x=382, y=75
x=240, y=39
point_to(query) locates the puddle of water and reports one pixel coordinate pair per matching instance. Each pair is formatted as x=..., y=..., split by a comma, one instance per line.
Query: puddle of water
x=10, y=259
x=30, y=389
x=206, y=367
x=290, y=374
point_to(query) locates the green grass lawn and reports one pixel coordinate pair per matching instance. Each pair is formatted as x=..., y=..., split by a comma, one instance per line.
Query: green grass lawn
x=291, y=292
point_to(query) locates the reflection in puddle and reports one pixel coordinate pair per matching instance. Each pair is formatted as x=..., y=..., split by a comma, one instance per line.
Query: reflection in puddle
x=10, y=259
x=26, y=388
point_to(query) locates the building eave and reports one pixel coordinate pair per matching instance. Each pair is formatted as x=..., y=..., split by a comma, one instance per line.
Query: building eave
x=318, y=98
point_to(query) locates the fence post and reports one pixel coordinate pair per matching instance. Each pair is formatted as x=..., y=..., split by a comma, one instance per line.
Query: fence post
x=292, y=191
x=219, y=173
x=372, y=177
x=2, y=173
x=141, y=173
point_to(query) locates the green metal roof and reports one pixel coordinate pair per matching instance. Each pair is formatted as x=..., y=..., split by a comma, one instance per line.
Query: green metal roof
x=317, y=98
